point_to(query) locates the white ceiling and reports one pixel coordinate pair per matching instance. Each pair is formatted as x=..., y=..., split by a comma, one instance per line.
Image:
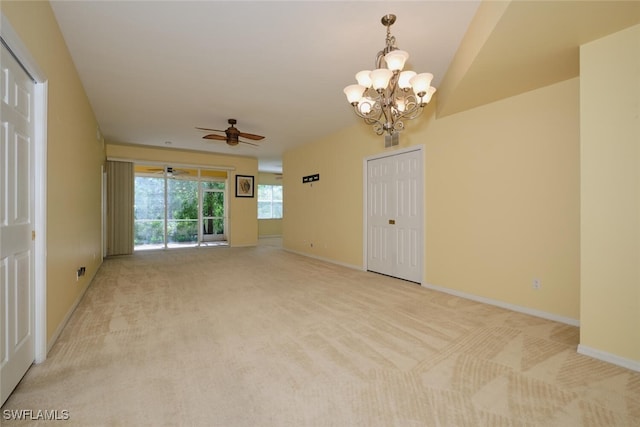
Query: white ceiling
x=154, y=70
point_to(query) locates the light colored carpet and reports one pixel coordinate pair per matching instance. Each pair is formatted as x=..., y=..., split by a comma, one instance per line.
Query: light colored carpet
x=262, y=337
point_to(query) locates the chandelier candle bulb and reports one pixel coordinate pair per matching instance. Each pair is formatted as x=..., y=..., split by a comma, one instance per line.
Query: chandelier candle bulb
x=380, y=78
x=395, y=59
x=365, y=106
x=387, y=96
x=421, y=83
x=354, y=93
x=404, y=79
x=427, y=97
x=364, y=78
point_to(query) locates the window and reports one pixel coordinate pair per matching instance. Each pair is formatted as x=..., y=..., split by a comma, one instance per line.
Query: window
x=269, y=201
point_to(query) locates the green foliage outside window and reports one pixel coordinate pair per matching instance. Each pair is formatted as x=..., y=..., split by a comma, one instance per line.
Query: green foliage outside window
x=149, y=211
x=182, y=210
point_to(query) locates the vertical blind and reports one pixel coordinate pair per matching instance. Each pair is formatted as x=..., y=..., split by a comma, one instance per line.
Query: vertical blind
x=120, y=205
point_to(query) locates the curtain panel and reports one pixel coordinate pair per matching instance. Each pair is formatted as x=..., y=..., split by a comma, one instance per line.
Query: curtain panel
x=120, y=208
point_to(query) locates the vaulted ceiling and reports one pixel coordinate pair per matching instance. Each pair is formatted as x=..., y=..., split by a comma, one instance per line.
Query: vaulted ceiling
x=155, y=70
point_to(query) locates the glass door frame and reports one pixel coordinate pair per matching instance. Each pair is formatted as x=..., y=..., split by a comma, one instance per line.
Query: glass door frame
x=200, y=178
x=203, y=218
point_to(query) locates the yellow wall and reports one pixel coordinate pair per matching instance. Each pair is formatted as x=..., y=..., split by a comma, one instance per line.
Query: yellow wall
x=501, y=198
x=324, y=218
x=502, y=184
x=610, y=150
x=269, y=227
x=243, y=222
x=74, y=160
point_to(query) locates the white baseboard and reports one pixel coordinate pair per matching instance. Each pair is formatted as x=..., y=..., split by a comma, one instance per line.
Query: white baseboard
x=634, y=365
x=61, y=326
x=508, y=306
x=331, y=261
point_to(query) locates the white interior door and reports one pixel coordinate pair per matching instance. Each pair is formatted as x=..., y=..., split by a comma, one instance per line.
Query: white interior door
x=395, y=215
x=17, y=131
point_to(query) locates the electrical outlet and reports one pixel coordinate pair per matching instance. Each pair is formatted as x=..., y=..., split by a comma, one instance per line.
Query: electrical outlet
x=536, y=284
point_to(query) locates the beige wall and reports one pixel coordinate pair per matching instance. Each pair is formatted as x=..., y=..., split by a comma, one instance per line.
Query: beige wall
x=610, y=150
x=243, y=222
x=269, y=227
x=267, y=178
x=74, y=160
x=501, y=198
x=502, y=184
x=324, y=218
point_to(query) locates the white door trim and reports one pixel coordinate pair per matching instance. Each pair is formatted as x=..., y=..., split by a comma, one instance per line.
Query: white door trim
x=365, y=187
x=19, y=50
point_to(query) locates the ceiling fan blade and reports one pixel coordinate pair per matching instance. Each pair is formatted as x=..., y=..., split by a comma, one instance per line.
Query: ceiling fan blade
x=248, y=143
x=216, y=137
x=215, y=130
x=251, y=136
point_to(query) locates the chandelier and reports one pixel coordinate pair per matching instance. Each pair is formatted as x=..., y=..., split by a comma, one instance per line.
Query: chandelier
x=387, y=95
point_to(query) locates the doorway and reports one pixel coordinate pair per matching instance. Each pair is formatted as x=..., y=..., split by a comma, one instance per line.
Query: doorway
x=394, y=214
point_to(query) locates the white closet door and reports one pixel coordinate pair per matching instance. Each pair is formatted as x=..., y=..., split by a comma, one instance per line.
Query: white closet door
x=395, y=216
x=16, y=224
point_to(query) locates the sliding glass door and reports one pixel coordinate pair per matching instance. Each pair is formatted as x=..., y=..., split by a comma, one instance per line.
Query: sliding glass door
x=182, y=211
x=171, y=202
x=213, y=211
x=149, y=212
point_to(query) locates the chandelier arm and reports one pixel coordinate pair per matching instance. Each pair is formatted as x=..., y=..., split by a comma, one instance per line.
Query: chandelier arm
x=378, y=125
x=398, y=126
x=374, y=100
x=413, y=113
x=368, y=118
x=378, y=128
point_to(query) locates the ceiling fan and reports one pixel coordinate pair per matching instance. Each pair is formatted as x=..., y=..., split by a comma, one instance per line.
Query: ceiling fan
x=232, y=135
x=170, y=171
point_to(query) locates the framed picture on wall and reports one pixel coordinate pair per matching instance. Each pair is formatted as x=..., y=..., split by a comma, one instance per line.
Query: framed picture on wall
x=244, y=186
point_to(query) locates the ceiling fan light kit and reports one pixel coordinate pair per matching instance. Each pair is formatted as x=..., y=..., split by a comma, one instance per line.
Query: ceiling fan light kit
x=388, y=95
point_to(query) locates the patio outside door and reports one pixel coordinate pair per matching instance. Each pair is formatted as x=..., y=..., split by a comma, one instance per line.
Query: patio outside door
x=213, y=211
